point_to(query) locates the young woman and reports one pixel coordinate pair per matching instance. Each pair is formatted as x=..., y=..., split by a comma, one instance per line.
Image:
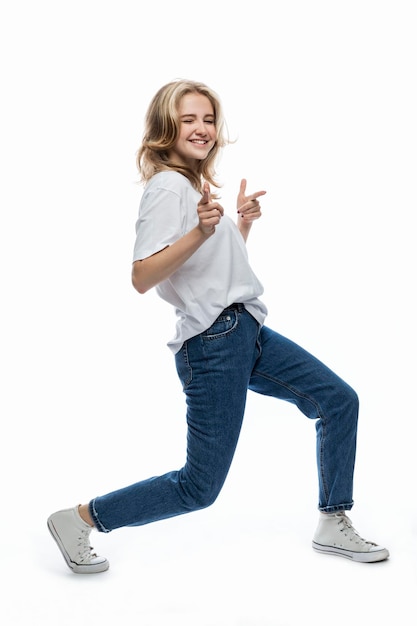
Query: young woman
x=196, y=258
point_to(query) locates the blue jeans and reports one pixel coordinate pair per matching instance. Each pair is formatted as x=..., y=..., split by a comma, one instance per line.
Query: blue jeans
x=216, y=369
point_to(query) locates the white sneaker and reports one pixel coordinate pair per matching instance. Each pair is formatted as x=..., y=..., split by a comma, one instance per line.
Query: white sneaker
x=336, y=535
x=71, y=534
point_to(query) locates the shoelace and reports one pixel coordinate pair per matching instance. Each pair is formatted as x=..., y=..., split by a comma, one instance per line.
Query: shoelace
x=85, y=551
x=351, y=532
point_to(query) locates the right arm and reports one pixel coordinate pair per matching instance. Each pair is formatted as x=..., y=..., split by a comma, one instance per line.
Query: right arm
x=149, y=272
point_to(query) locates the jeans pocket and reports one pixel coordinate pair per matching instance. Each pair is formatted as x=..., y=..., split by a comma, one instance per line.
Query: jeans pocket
x=223, y=325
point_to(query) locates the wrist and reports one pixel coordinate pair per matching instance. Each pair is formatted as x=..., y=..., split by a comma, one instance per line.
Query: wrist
x=204, y=233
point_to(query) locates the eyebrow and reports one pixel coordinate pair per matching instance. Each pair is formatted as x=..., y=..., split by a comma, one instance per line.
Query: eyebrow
x=194, y=115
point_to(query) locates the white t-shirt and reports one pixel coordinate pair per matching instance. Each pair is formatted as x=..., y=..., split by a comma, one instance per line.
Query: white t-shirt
x=215, y=276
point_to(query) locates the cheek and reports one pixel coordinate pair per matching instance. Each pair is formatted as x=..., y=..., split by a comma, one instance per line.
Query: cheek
x=181, y=142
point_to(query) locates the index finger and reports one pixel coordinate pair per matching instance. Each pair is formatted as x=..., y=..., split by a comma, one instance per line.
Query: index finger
x=257, y=194
x=205, y=199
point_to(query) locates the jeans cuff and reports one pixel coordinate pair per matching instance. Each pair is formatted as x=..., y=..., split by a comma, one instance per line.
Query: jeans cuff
x=336, y=507
x=99, y=526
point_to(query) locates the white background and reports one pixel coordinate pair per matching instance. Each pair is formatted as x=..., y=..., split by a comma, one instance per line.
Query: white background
x=321, y=96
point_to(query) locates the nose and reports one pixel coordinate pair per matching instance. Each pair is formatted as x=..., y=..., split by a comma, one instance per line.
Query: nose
x=200, y=127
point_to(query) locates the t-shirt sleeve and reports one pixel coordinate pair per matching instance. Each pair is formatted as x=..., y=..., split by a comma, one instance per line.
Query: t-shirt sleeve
x=159, y=224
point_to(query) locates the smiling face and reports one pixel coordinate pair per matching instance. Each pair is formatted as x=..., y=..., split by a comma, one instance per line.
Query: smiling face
x=197, y=133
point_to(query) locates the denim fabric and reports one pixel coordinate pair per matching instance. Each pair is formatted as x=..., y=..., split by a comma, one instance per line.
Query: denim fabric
x=216, y=369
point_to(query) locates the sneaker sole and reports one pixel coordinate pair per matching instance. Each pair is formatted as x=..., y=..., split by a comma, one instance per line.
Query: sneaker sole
x=74, y=567
x=361, y=557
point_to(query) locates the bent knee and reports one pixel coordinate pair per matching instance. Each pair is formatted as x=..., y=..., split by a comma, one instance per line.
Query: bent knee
x=198, y=496
x=347, y=400
x=202, y=500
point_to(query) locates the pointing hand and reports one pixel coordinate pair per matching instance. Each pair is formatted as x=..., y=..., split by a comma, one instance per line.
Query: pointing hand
x=248, y=206
x=209, y=212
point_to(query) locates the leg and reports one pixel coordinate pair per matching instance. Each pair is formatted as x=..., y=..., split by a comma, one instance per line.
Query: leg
x=214, y=369
x=286, y=371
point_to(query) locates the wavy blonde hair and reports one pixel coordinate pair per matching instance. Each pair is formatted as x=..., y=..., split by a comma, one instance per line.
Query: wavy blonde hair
x=162, y=129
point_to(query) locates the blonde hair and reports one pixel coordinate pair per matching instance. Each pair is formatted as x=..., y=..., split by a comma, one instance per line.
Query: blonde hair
x=162, y=130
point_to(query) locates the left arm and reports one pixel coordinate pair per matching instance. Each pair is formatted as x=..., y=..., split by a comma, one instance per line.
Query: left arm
x=248, y=209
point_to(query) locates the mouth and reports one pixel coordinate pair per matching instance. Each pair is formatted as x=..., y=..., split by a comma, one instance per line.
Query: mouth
x=199, y=142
